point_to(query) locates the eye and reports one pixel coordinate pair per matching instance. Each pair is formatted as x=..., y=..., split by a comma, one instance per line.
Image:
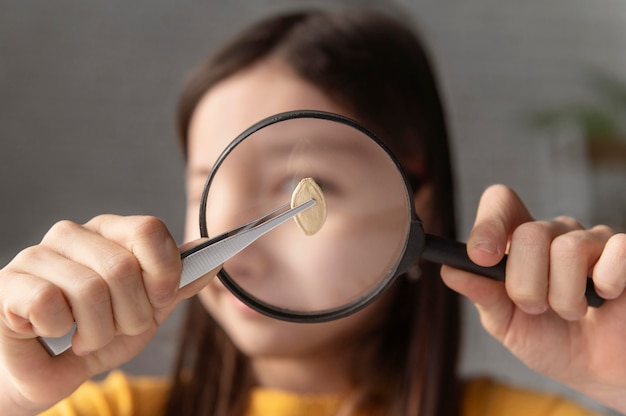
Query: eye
x=286, y=185
x=326, y=185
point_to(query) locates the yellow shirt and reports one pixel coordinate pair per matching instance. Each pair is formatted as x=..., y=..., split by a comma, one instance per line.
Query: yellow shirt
x=119, y=395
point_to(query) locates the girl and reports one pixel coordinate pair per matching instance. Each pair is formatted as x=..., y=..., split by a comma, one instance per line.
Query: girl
x=117, y=277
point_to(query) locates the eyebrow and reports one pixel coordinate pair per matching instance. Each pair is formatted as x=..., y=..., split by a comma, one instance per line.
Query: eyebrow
x=336, y=146
x=285, y=148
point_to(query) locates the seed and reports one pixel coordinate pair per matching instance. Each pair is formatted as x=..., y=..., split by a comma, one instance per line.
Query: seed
x=310, y=220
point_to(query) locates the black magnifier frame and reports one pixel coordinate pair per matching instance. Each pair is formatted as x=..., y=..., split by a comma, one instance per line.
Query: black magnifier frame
x=411, y=252
x=418, y=244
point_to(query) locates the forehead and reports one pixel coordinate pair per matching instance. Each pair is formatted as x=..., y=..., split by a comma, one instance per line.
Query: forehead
x=234, y=104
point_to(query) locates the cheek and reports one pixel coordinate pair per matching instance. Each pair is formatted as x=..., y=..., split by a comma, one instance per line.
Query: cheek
x=216, y=299
x=192, y=229
x=340, y=264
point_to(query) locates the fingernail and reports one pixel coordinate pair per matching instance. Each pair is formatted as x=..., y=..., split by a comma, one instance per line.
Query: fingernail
x=534, y=309
x=487, y=247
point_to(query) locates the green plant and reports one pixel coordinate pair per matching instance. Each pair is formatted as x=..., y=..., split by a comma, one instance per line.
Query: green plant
x=601, y=120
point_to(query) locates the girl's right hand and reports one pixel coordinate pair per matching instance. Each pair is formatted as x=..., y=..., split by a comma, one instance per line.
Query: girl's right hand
x=116, y=277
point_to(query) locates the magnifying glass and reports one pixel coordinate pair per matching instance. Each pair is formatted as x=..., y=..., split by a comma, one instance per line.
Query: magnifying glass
x=370, y=236
x=372, y=233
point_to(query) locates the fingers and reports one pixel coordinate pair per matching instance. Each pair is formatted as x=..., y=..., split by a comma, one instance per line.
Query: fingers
x=573, y=256
x=500, y=211
x=154, y=249
x=490, y=297
x=115, y=278
x=609, y=273
x=48, y=292
x=548, y=261
x=102, y=282
x=34, y=307
x=109, y=276
x=529, y=279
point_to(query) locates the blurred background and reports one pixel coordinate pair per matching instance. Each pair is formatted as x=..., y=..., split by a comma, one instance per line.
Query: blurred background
x=535, y=93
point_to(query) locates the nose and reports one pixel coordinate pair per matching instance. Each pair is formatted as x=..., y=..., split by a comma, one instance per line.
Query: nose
x=251, y=264
x=252, y=270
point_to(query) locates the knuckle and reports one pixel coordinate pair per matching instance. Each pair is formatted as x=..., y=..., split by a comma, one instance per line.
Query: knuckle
x=49, y=310
x=147, y=322
x=120, y=266
x=571, y=244
x=30, y=255
x=92, y=289
x=526, y=298
x=569, y=222
x=619, y=240
x=529, y=297
x=45, y=296
x=147, y=227
x=61, y=229
x=569, y=310
x=140, y=324
x=603, y=230
x=532, y=232
x=99, y=220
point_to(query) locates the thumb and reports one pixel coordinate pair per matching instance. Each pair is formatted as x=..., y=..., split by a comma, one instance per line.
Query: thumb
x=500, y=211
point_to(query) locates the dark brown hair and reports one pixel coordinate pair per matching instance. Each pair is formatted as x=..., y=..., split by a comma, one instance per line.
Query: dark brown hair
x=377, y=68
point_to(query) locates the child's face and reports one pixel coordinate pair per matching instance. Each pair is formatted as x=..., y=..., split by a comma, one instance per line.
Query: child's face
x=228, y=109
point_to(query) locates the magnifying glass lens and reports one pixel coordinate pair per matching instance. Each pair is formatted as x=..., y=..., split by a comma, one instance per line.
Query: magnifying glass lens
x=367, y=224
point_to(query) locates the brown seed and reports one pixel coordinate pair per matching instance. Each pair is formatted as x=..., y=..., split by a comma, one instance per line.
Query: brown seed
x=312, y=219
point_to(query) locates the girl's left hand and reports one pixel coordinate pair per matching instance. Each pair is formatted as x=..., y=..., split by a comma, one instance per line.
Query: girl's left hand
x=540, y=314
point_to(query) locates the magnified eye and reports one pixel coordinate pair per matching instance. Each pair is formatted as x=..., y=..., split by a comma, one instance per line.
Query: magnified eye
x=288, y=184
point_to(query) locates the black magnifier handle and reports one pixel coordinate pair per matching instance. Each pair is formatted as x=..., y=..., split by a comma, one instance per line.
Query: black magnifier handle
x=453, y=253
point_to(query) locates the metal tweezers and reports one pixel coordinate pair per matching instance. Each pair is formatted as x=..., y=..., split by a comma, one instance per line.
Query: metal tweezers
x=207, y=256
x=210, y=254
